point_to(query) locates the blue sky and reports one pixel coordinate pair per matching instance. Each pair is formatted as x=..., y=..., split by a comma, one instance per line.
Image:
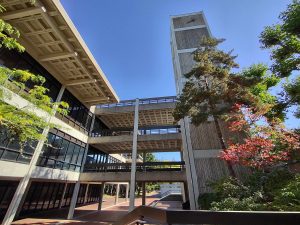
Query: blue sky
x=130, y=39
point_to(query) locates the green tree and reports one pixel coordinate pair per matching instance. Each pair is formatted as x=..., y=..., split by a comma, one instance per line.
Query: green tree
x=283, y=39
x=212, y=88
x=22, y=124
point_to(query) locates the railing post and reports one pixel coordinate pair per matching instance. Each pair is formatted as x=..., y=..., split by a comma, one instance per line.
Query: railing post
x=134, y=155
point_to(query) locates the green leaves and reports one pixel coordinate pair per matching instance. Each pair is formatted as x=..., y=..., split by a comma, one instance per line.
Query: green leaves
x=207, y=83
x=283, y=40
x=278, y=190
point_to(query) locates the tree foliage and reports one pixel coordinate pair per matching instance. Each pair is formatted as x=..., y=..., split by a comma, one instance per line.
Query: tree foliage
x=275, y=191
x=283, y=39
x=23, y=125
x=266, y=144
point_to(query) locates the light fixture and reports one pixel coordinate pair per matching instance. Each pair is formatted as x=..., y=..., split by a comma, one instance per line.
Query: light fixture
x=75, y=53
x=44, y=9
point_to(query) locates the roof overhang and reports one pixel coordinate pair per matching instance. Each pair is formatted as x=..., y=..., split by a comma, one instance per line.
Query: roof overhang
x=49, y=35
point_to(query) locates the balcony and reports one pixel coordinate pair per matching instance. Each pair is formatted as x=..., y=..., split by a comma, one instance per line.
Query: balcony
x=165, y=138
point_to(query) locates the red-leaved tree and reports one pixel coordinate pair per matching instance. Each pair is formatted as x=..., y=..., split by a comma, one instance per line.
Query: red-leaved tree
x=266, y=144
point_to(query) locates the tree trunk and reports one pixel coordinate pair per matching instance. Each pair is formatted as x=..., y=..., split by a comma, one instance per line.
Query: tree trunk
x=223, y=145
x=220, y=135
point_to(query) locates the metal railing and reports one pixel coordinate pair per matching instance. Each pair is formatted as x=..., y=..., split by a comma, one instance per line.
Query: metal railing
x=151, y=215
x=140, y=167
x=72, y=122
x=144, y=101
x=146, y=131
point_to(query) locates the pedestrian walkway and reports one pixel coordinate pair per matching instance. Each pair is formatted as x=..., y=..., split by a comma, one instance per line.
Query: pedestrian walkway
x=87, y=214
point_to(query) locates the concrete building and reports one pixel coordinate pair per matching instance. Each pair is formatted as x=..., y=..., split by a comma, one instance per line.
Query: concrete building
x=92, y=144
x=201, y=144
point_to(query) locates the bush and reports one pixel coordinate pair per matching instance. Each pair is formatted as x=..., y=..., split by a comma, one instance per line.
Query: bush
x=277, y=190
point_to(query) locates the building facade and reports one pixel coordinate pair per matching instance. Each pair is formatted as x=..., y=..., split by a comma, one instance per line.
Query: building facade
x=101, y=145
x=201, y=143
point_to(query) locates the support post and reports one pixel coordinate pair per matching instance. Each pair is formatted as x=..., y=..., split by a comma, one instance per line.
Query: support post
x=144, y=193
x=77, y=185
x=188, y=155
x=63, y=195
x=102, y=186
x=86, y=193
x=127, y=192
x=24, y=182
x=117, y=194
x=73, y=201
x=134, y=155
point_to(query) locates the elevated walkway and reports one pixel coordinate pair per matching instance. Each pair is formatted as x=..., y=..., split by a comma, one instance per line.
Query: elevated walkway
x=165, y=139
x=148, y=172
x=152, y=111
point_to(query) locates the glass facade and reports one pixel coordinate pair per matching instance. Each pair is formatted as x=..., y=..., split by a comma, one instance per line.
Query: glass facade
x=95, y=156
x=10, y=148
x=62, y=152
x=7, y=190
x=46, y=195
x=13, y=59
x=79, y=115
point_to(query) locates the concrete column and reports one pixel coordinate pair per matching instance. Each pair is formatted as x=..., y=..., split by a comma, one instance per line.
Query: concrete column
x=63, y=195
x=73, y=201
x=117, y=194
x=183, y=192
x=181, y=156
x=77, y=185
x=86, y=193
x=188, y=155
x=134, y=155
x=127, y=192
x=24, y=182
x=102, y=186
x=143, y=193
x=23, y=199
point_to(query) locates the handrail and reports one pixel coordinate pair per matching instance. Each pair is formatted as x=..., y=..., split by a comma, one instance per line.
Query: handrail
x=144, y=131
x=165, y=194
x=144, y=101
x=163, y=216
x=141, y=167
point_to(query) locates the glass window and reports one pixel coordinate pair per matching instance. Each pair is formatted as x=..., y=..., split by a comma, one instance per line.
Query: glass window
x=75, y=154
x=9, y=155
x=69, y=152
x=64, y=148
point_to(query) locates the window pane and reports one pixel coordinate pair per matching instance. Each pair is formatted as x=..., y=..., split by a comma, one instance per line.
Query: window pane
x=75, y=154
x=8, y=155
x=70, y=152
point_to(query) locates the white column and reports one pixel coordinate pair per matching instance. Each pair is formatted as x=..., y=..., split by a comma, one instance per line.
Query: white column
x=86, y=193
x=127, y=192
x=188, y=155
x=117, y=194
x=73, y=201
x=183, y=192
x=134, y=155
x=21, y=189
x=77, y=185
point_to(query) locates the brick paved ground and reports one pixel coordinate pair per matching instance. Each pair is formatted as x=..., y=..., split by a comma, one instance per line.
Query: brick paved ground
x=86, y=214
